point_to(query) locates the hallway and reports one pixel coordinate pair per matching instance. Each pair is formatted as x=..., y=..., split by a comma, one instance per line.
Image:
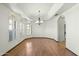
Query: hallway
x=39, y=47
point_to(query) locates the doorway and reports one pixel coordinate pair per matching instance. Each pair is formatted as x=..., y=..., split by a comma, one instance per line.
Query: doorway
x=62, y=30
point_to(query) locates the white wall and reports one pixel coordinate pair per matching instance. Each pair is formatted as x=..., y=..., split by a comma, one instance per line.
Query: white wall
x=51, y=29
x=47, y=29
x=3, y=28
x=5, y=45
x=72, y=29
x=38, y=30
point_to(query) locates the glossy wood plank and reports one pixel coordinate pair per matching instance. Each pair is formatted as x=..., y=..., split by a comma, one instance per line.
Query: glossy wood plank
x=40, y=47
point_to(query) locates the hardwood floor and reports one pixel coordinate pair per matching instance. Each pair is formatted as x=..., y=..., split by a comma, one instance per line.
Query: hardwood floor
x=39, y=47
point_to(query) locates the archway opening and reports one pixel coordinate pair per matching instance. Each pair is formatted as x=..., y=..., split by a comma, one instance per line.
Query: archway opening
x=62, y=31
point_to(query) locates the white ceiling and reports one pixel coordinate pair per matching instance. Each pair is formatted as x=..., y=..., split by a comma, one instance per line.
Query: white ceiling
x=65, y=7
x=30, y=10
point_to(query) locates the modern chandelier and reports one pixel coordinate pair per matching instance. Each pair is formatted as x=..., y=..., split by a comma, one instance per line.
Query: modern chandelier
x=39, y=21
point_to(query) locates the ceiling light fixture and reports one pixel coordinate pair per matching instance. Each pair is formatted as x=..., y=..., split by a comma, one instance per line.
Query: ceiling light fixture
x=39, y=21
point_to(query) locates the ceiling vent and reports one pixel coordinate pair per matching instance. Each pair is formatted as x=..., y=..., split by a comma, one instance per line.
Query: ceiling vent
x=56, y=14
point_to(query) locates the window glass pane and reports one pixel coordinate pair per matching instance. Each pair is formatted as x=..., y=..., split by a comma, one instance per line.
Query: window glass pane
x=10, y=27
x=28, y=26
x=10, y=21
